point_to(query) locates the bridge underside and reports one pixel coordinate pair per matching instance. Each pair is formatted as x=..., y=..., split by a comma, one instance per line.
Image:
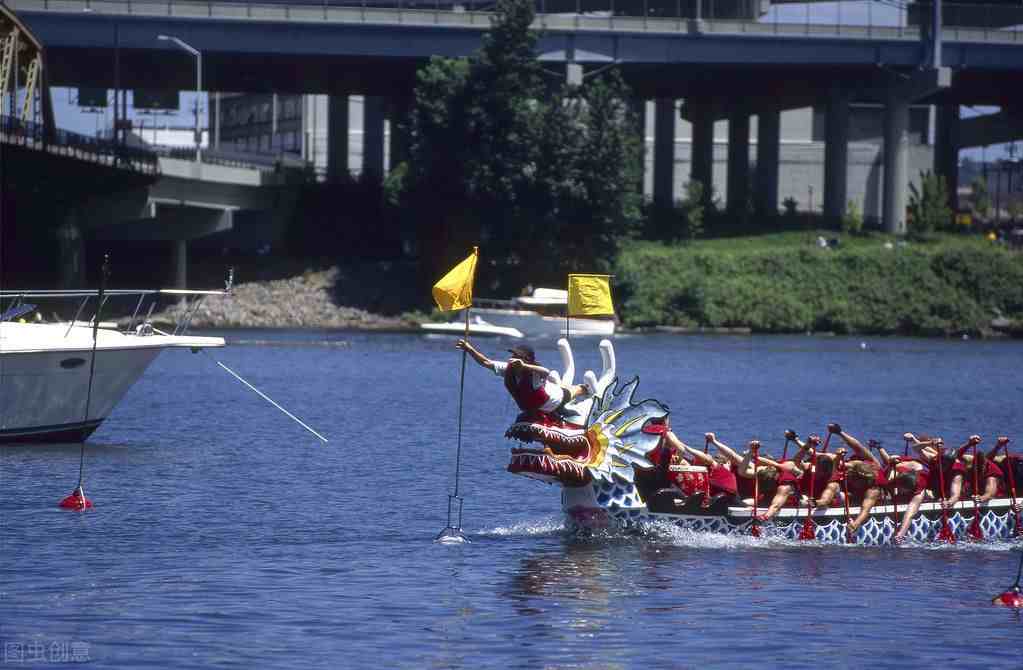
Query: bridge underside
x=37, y=198
x=268, y=73
x=721, y=74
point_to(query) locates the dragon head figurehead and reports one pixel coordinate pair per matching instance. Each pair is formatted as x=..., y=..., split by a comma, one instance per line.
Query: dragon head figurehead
x=599, y=438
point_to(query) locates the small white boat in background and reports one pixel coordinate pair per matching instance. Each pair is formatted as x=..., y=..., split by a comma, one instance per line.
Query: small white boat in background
x=45, y=366
x=477, y=326
x=540, y=314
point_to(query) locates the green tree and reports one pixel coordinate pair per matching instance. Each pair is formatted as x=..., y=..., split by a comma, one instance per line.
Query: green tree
x=545, y=181
x=928, y=205
x=981, y=198
x=852, y=220
x=1015, y=209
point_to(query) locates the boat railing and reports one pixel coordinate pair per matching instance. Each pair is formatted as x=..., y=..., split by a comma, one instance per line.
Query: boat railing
x=12, y=303
x=494, y=303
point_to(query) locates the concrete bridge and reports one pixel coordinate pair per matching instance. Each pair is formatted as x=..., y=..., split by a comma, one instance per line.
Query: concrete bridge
x=724, y=68
x=188, y=201
x=59, y=187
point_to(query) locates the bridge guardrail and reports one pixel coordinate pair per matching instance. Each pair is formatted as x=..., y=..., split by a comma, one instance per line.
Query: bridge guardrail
x=226, y=158
x=66, y=143
x=849, y=18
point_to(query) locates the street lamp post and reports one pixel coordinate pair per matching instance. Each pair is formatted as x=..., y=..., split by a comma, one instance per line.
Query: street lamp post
x=198, y=87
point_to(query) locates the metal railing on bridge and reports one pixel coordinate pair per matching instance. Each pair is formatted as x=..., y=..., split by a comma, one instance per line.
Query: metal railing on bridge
x=868, y=19
x=16, y=132
x=264, y=162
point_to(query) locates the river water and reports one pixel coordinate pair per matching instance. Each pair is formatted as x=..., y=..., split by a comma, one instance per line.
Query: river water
x=224, y=535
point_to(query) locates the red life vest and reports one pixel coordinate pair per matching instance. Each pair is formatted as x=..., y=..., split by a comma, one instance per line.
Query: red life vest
x=820, y=479
x=722, y=480
x=990, y=470
x=858, y=486
x=904, y=496
x=935, y=480
x=744, y=485
x=521, y=389
x=786, y=476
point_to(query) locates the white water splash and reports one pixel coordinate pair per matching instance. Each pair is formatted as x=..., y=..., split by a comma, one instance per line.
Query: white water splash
x=674, y=535
x=538, y=528
x=964, y=546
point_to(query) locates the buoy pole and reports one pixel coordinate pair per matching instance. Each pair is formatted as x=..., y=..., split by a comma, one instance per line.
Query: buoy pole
x=77, y=500
x=453, y=531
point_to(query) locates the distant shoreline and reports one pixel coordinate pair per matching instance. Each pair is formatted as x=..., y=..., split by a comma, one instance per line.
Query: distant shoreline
x=304, y=301
x=773, y=284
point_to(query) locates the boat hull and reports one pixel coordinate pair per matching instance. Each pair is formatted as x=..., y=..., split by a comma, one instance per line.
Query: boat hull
x=593, y=507
x=532, y=324
x=68, y=433
x=44, y=394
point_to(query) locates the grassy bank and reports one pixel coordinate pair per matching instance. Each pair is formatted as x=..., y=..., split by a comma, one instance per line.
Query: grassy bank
x=784, y=283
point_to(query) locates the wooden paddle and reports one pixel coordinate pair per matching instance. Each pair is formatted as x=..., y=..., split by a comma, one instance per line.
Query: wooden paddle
x=945, y=534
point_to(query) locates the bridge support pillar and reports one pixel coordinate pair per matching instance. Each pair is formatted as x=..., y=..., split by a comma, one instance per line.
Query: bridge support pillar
x=337, y=137
x=573, y=74
x=664, y=152
x=400, y=109
x=896, y=151
x=638, y=108
x=946, y=150
x=701, y=163
x=373, y=136
x=70, y=252
x=768, y=158
x=738, y=160
x=180, y=263
x=836, y=154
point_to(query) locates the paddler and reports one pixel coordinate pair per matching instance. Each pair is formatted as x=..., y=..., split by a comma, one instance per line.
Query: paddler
x=789, y=472
x=863, y=477
x=531, y=385
x=722, y=480
x=907, y=486
x=989, y=477
x=951, y=468
x=743, y=471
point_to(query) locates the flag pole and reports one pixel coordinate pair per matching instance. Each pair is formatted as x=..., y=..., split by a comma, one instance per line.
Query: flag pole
x=452, y=533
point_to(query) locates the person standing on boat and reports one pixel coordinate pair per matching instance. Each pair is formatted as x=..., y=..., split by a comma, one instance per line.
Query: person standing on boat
x=532, y=386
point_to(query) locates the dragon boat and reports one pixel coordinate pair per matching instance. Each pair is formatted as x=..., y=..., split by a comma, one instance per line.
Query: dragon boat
x=598, y=448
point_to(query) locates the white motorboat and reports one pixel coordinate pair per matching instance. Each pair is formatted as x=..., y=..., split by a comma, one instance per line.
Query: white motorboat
x=46, y=394
x=540, y=314
x=477, y=326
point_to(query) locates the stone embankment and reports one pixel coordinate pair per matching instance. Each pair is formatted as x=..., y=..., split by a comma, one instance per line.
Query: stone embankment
x=304, y=301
